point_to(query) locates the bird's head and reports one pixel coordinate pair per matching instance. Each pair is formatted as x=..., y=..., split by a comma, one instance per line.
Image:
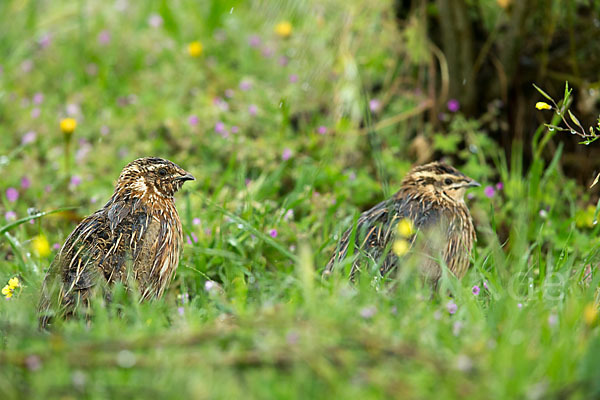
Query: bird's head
x=152, y=178
x=440, y=180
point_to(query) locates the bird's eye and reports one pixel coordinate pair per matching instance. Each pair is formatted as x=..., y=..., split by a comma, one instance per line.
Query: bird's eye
x=162, y=172
x=448, y=181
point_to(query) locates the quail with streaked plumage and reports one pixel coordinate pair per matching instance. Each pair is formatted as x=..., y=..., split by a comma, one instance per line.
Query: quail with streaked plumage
x=431, y=198
x=135, y=237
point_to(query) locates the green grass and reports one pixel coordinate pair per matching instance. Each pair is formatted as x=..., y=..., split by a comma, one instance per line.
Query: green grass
x=273, y=328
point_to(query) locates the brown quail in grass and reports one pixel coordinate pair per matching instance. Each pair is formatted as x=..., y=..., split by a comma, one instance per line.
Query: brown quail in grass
x=431, y=197
x=135, y=237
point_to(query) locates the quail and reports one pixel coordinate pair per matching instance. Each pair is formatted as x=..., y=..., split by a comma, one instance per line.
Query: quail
x=431, y=199
x=135, y=237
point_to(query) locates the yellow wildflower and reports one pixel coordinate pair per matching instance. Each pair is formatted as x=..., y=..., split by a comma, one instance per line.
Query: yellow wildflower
x=7, y=291
x=68, y=125
x=504, y=3
x=401, y=247
x=540, y=105
x=283, y=29
x=195, y=49
x=590, y=314
x=14, y=282
x=41, y=246
x=406, y=228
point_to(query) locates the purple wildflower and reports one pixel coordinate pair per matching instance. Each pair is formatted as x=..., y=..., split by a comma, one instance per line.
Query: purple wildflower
x=196, y=221
x=235, y=129
x=33, y=362
x=273, y=233
x=193, y=120
x=254, y=41
x=25, y=183
x=220, y=128
x=252, y=109
x=194, y=237
x=35, y=113
x=470, y=196
x=374, y=105
x=155, y=20
x=10, y=215
x=368, y=312
x=352, y=175
x=245, y=85
x=73, y=109
x=489, y=191
x=289, y=214
x=543, y=213
x=210, y=285
x=552, y=319
x=283, y=61
x=104, y=37
x=56, y=246
x=499, y=186
x=520, y=305
x=38, y=98
x=45, y=40
x=29, y=137
x=75, y=180
x=293, y=78
x=12, y=194
x=221, y=104
x=188, y=240
x=286, y=155
x=485, y=285
x=180, y=310
x=453, y=105
x=267, y=52
x=475, y=290
x=451, y=307
x=322, y=130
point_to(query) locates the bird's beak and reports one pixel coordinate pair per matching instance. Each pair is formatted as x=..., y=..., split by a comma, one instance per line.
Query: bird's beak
x=472, y=183
x=186, y=177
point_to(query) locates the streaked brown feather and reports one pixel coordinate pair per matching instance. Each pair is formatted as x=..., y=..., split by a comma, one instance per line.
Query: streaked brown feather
x=137, y=233
x=431, y=197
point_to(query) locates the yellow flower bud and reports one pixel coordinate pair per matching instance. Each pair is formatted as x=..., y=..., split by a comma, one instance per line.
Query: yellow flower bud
x=68, y=125
x=590, y=314
x=41, y=246
x=14, y=282
x=406, y=228
x=195, y=49
x=401, y=247
x=540, y=105
x=283, y=29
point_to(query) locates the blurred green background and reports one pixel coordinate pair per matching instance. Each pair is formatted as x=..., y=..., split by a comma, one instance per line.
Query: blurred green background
x=294, y=116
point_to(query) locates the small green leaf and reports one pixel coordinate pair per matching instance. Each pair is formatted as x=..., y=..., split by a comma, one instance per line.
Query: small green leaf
x=567, y=92
x=546, y=95
x=574, y=119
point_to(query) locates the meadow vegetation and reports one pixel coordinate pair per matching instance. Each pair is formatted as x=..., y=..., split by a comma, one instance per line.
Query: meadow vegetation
x=294, y=117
